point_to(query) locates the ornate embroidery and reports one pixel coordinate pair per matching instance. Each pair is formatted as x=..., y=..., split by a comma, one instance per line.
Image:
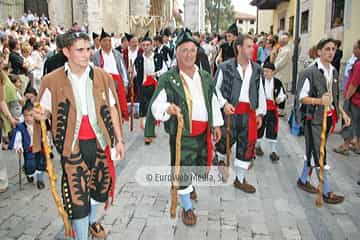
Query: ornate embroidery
x=105, y=114
x=62, y=112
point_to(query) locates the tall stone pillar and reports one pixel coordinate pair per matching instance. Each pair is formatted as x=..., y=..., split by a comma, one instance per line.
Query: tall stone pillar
x=60, y=12
x=194, y=15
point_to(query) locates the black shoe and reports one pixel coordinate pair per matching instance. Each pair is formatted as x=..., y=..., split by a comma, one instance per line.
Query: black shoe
x=274, y=157
x=30, y=179
x=40, y=185
x=259, y=151
x=358, y=182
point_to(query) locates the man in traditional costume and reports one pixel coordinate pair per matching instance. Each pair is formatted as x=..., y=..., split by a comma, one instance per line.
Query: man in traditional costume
x=317, y=89
x=133, y=50
x=81, y=102
x=165, y=51
x=188, y=90
x=148, y=67
x=112, y=62
x=275, y=95
x=239, y=85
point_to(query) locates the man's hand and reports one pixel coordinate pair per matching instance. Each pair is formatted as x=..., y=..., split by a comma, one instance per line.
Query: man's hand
x=346, y=118
x=325, y=99
x=229, y=109
x=173, y=109
x=120, y=150
x=216, y=134
x=40, y=114
x=278, y=100
x=19, y=150
x=259, y=121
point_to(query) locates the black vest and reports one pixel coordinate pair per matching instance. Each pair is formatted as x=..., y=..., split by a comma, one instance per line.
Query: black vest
x=227, y=51
x=232, y=82
x=139, y=66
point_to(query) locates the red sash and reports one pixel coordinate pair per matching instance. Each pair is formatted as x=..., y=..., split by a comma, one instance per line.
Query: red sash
x=150, y=81
x=86, y=133
x=332, y=113
x=271, y=106
x=121, y=96
x=198, y=128
x=244, y=108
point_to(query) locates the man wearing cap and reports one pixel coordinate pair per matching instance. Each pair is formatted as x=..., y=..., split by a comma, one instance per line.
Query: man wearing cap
x=82, y=103
x=96, y=40
x=133, y=50
x=275, y=94
x=148, y=67
x=188, y=90
x=112, y=62
x=166, y=52
x=239, y=86
x=318, y=88
x=227, y=49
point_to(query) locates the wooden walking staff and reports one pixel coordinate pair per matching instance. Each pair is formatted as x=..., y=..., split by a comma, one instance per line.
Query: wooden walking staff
x=228, y=147
x=175, y=183
x=319, y=199
x=52, y=177
x=20, y=170
x=132, y=95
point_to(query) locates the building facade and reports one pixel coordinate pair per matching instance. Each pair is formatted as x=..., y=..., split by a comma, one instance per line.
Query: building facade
x=246, y=23
x=318, y=19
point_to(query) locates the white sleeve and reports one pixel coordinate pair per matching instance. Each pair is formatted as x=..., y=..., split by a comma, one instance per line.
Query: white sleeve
x=218, y=120
x=45, y=100
x=261, y=110
x=159, y=107
x=112, y=100
x=281, y=97
x=162, y=70
x=305, y=90
x=18, y=141
x=220, y=97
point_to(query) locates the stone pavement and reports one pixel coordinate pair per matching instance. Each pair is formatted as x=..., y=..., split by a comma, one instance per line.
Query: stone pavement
x=278, y=210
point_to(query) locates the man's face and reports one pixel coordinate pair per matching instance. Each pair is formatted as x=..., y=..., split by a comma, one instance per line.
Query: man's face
x=268, y=73
x=133, y=43
x=327, y=53
x=28, y=117
x=230, y=37
x=197, y=38
x=106, y=44
x=125, y=44
x=165, y=39
x=186, y=54
x=79, y=53
x=147, y=46
x=97, y=42
x=356, y=50
x=157, y=43
x=246, y=50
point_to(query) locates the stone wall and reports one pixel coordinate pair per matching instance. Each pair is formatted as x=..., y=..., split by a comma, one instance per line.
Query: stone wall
x=14, y=8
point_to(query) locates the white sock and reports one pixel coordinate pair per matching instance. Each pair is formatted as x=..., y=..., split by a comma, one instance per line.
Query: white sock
x=273, y=147
x=258, y=143
x=240, y=174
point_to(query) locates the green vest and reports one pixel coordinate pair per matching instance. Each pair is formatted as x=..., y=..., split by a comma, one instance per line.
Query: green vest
x=172, y=84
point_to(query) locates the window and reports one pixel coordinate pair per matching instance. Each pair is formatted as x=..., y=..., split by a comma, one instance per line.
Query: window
x=337, y=13
x=282, y=24
x=241, y=21
x=305, y=21
x=252, y=21
x=291, y=25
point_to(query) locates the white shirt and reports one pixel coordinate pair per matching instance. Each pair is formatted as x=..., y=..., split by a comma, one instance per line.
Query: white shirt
x=269, y=91
x=133, y=55
x=149, y=66
x=110, y=63
x=328, y=74
x=78, y=85
x=199, y=111
x=244, y=92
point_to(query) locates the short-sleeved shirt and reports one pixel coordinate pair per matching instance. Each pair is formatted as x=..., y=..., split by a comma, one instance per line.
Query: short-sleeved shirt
x=17, y=62
x=354, y=79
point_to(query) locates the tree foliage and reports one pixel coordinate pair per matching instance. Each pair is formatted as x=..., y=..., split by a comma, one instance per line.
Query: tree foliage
x=226, y=14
